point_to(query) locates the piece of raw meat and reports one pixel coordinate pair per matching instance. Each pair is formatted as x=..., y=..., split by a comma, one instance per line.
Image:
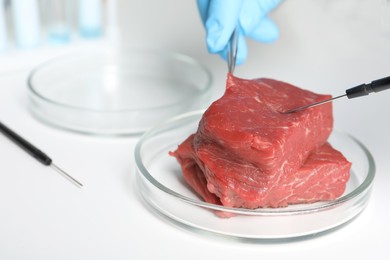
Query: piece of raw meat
x=247, y=153
x=322, y=177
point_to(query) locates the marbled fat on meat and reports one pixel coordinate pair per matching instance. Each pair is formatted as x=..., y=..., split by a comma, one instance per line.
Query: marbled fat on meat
x=247, y=153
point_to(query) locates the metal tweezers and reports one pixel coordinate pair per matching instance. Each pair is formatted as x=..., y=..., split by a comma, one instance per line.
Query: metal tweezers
x=232, y=51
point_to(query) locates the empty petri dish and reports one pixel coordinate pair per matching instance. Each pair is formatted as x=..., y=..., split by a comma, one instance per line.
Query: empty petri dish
x=117, y=92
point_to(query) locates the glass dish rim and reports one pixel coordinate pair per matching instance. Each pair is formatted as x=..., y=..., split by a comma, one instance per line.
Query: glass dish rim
x=310, y=208
x=160, y=54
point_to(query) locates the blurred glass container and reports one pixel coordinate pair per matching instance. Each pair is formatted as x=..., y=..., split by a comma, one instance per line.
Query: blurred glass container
x=26, y=23
x=58, y=18
x=90, y=18
x=3, y=28
x=117, y=92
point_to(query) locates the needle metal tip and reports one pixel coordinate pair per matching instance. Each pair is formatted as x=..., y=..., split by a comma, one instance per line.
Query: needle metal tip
x=67, y=176
x=312, y=105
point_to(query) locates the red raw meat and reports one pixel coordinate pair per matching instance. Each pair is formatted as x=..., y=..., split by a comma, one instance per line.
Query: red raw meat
x=247, y=153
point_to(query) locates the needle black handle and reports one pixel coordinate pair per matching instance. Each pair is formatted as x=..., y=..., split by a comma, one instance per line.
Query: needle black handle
x=25, y=145
x=35, y=152
x=365, y=89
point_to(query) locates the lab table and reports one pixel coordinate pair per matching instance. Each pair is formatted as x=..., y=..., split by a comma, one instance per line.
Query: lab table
x=43, y=216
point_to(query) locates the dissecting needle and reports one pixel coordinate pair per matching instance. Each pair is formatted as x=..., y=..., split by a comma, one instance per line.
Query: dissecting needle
x=232, y=51
x=358, y=91
x=35, y=152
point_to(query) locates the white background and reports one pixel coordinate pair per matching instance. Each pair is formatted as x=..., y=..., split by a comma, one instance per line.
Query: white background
x=325, y=46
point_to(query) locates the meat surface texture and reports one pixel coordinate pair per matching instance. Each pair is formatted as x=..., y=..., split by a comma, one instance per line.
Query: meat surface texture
x=248, y=153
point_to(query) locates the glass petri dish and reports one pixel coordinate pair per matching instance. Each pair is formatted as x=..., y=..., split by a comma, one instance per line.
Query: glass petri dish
x=161, y=185
x=117, y=92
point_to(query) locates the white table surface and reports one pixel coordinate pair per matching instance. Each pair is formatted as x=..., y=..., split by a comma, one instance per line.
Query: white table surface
x=325, y=47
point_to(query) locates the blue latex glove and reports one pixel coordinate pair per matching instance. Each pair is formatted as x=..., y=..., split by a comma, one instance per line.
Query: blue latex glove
x=221, y=17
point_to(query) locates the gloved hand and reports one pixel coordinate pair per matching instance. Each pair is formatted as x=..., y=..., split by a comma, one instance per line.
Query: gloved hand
x=221, y=17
